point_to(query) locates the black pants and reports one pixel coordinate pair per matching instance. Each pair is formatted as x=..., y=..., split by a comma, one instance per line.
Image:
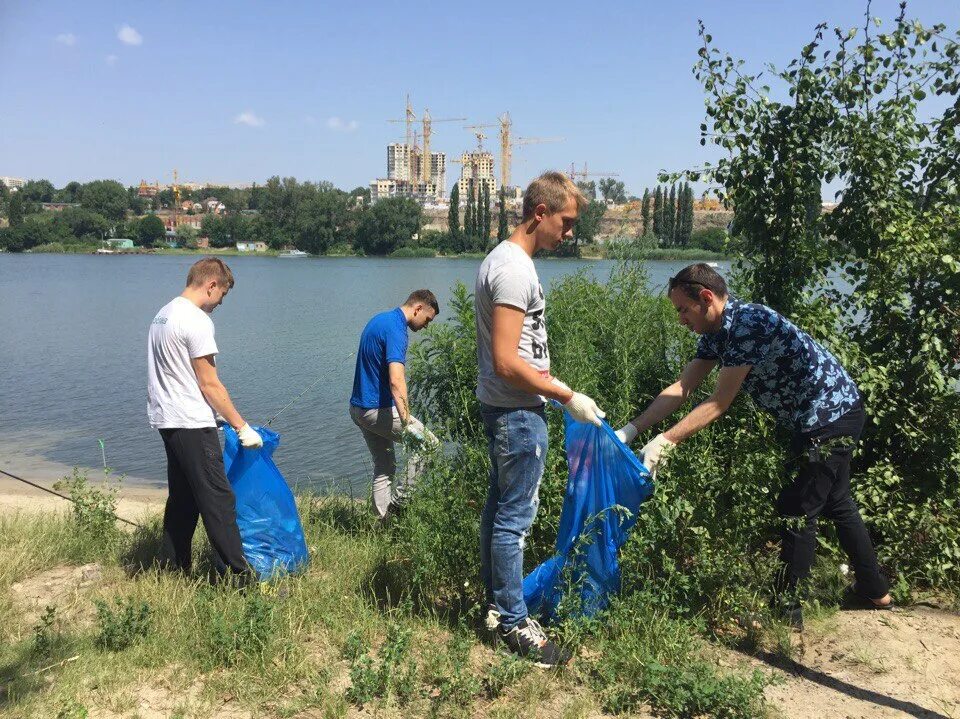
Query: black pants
x=199, y=488
x=821, y=488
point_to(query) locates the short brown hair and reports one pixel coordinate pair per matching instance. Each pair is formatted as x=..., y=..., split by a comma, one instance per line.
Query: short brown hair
x=424, y=296
x=552, y=189
x=694, y=278
x=210, y=268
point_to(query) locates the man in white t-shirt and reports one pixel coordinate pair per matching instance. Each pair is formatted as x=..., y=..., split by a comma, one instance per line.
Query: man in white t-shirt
x=514, y=381
x=184, y=396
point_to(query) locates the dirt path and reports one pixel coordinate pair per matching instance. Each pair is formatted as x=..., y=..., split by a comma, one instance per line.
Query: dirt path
x=866, y=665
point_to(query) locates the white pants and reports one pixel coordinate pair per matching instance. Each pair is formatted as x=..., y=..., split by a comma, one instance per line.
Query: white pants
x=381, y=428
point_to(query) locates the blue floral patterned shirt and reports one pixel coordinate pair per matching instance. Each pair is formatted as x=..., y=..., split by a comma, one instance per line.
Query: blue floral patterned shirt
x=792, y=377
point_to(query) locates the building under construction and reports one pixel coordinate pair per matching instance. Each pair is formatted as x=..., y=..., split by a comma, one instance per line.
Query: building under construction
x=413, y=170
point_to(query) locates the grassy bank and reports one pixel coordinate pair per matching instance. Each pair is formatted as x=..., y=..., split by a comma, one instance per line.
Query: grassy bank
x=337, y=638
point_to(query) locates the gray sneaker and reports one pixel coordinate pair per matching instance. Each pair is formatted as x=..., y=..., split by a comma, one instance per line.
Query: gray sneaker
x=528, y=639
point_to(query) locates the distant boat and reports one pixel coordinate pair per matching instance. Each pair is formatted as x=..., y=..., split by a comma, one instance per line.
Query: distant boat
x=104, y=251
x=294, y=253
x=713, y=264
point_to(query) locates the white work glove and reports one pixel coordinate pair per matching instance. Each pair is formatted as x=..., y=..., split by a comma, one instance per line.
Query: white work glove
x=249, y=437
x=584, y=409
x=627, y=433
x=416, y=428
x=655, y=451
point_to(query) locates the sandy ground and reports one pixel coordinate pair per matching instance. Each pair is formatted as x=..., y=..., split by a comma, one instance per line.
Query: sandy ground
x=133, y=501
x=852, y=665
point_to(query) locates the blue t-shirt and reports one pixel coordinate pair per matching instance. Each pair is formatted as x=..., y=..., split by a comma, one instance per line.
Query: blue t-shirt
x=384, y=340
x=793, y=377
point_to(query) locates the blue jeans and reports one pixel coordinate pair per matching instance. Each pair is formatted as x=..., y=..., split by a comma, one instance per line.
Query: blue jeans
x=517, y=441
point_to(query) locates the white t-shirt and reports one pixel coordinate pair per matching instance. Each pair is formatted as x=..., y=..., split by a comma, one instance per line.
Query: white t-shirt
x=181, y=331
x=507, y=277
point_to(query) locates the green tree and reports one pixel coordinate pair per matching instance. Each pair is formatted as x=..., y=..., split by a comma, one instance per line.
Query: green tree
x=854, y=111
x=215, y=228
x=678, y=219
x=670, y=215
x=150, y=231
x=106, y=197
x=319, y=218
x=136, y=204
x=70, y=193
x=453, y=216
x=503, y=228
x=613, y=190
x=658, y=214
x=38, y=191
x=82, y=224
x=15, y=209
x=645, y=213
x=485, y=216
x=469, y=223
x=589, y=189
x=588, y=224
x=388, y=224
x=687, y=216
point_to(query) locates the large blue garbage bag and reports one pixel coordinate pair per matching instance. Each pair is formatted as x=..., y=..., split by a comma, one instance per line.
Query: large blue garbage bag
x=267, y=515
x=604, y=475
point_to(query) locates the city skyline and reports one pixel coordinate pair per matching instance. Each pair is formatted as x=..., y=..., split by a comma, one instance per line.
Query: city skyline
x=242, y=92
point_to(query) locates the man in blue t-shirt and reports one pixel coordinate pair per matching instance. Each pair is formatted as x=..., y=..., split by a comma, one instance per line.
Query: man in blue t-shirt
x=794, y=378
x=379, y=404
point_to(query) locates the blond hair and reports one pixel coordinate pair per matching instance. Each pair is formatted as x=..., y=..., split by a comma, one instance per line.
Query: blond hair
x=210, y=268
x=552, y=189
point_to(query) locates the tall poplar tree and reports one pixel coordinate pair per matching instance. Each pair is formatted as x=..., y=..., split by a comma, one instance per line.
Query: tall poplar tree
x=15, y=209
x=658, y=214
x=485, y=217
x=678, y=217
x=645, y=212
x=469, y=223
x=453, y=216
x=503, y=229
x=688, y=216
x=670, y=214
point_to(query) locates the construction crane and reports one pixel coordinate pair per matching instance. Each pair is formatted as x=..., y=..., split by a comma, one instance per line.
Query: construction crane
x=478, y=132
x=507, y=143
x=584, y=173
x=426, y=165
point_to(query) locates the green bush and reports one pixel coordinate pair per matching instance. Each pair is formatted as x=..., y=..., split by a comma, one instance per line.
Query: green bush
x=413, y=252
x=713, y=239
x=123, y=625
x=94, y=507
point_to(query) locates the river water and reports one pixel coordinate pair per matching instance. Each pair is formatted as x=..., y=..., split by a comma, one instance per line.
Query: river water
x=73, y=353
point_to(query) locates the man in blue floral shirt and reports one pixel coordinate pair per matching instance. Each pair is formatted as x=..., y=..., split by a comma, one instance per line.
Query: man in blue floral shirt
x=804, y=386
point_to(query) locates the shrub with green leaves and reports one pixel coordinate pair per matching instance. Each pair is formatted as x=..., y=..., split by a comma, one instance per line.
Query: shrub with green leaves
x=122, y=625
x=94, y=507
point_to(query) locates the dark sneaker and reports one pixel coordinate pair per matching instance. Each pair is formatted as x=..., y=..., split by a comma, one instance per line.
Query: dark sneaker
x=528, y=639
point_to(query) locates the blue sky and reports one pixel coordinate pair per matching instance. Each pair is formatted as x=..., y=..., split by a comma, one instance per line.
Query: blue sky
x=239, y=91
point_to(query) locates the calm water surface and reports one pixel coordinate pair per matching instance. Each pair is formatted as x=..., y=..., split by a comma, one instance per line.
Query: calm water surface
x=73, y=352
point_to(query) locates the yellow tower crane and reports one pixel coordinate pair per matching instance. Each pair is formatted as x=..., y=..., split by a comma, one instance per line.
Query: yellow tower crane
x=410, y=117
x=507, y=143
x=426, y=167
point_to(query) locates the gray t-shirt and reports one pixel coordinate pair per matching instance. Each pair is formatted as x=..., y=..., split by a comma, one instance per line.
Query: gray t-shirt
x=507, y=277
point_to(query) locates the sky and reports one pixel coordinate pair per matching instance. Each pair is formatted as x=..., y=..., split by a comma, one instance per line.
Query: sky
x=234, y=92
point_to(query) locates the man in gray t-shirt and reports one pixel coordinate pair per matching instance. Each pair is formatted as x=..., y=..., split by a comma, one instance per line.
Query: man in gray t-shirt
x=513, y=383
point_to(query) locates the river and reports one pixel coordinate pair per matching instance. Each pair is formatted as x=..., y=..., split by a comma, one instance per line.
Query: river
x=73, y=367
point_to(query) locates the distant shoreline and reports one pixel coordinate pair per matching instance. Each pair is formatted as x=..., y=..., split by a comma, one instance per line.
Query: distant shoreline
x=591, y=252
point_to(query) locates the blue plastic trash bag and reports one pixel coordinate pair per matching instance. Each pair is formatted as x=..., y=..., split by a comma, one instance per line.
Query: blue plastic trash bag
x=604, y=474
x=267, y=515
